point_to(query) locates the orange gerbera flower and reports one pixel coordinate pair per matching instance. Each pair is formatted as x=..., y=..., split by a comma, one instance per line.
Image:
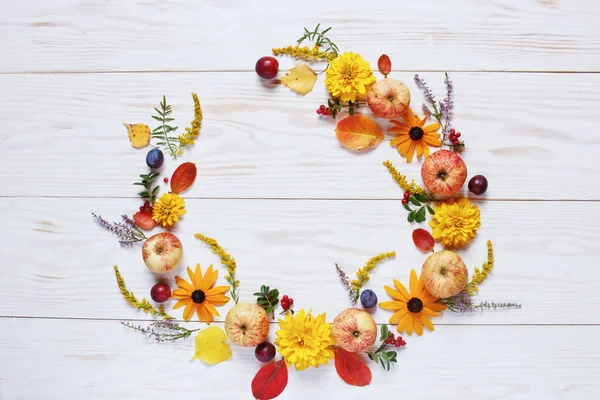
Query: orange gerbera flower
x=412, y=135
x=200, y=295
x=412, y=309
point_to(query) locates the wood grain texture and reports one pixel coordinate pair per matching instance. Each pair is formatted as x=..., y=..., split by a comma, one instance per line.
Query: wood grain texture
x=98, y=35
x=60, y=263
x=102, y=359
x=533, y=136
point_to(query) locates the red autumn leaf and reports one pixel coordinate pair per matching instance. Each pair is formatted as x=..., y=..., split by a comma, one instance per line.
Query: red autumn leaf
x=358, y=132
x=144, y=220
x=183, y=177
x=384, y=64
x=423, y=239
x=351, y=368
x=270, y=380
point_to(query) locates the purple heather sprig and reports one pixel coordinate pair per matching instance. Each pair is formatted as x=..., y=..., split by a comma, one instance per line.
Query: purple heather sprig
x=346, y=283
x=163, y=331
x=463, y=303
x=127, y=231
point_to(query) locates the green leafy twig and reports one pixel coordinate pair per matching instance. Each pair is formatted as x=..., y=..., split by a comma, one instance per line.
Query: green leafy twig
x=267, y=299
x=336, y=106
x=381, y=356
x=147, y=181
x=422, y=203
x=319, y=39
x=171, y=331
x=163, y=131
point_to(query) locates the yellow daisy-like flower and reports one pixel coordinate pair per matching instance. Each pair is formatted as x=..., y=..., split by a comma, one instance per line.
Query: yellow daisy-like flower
x=412, y=135
x=349, y=77
x=167, y=210
x=199, y=294
x=414, y=309
x=304, y=340
x=455, y=222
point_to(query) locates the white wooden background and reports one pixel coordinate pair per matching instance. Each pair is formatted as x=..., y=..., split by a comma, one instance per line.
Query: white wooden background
x=283, y=197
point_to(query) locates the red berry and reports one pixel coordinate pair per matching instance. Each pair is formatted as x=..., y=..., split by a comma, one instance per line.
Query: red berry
x=291, y=301
x=265, y=352
x=452, y=131
x=160, y=292
x=406, y=195
x=458, y=135
x=166, y=180
x=319, y=111
x=285, y=297
x=404, y=201
x=267, y=67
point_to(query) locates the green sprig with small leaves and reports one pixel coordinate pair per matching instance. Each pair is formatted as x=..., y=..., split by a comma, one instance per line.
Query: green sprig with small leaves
x=164, y=130
x=419, y=214
x=149, y=194
x=336, y=106
x=381, y=356
x=319, y=39
x=267, y=299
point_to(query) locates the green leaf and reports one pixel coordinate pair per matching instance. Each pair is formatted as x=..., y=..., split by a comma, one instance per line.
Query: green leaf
x=415, y=201
x=430, y=210
x=351, y=110
x=421, y=198
x=420, y=217
x=411, y=216
x=407, y=207
x=144, y=194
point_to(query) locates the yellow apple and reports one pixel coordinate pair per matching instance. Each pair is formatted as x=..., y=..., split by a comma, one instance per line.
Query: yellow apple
x=247, y=324
x=354, y=330
x=162, y=252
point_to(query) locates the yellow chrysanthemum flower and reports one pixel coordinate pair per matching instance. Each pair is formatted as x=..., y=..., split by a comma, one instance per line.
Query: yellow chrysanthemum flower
x=455, y=222
x=349, y=77
x=167, y=210
x=304, y=340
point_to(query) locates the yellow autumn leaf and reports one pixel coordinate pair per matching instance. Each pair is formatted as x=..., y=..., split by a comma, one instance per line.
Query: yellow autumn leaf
x=300, y=79
x=139, y=134
x=211, y=347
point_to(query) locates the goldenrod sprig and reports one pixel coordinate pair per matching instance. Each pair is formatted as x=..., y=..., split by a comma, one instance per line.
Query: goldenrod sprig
x=144, y=304
x=362, y=275
x=481, y=274
x=227, y=261
x=191, y=132
x=400, y=179
x=304, y=53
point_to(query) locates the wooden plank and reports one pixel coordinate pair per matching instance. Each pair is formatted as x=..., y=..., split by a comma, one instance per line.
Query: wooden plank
x=60, y=263
x=48, y=359
x=533, y=136
x=94, y=35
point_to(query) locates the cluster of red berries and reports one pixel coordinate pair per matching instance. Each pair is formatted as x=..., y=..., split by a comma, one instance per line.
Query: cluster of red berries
x=286, y=302
x=322, y=110
x=395, y=341
x=406, y=198
x=453, y=136
x=146, y=208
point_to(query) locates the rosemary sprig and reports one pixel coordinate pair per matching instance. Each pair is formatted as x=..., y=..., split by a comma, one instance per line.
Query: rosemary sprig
x=162, y=132
x=380, y=356
x=163, y=331
x=267, y=299
x=147, y=181
x=319, y=39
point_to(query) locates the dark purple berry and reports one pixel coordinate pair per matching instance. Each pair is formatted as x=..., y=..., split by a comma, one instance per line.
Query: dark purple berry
x=265, y=352
x=478, y=185
x=368, y=298
x=155, y=158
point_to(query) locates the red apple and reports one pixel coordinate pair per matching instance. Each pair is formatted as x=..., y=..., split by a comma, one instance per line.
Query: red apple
x=388, y=98
x=247, y=324
x=444, y=172
x=444, y=274
x=354, y=330
x=162, y=252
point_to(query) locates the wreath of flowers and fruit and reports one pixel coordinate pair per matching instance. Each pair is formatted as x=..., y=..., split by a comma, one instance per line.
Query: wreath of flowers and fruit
x=304, y=340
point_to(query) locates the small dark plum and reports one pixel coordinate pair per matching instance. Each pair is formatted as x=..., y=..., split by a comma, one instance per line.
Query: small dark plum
x=155, y=158
x=265, y=352
x=368, y=298
x=160, y=292
x=478, y=185
x=267, y=67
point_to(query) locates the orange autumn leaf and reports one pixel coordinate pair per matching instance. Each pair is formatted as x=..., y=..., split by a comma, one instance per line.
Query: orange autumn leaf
x=384, y=64
x=183, y=177
x=358, y=132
